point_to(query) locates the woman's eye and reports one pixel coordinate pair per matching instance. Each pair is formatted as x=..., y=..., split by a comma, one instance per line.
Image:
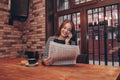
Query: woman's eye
x=69, y=30
x=64, y=27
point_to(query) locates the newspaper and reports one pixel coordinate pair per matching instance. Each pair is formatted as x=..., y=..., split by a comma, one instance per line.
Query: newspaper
x=63, y=54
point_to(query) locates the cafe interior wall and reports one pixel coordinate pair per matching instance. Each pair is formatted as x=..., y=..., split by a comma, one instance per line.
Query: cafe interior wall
x=22, y=35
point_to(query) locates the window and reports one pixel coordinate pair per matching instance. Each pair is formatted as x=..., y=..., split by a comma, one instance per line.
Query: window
x=62, y=5
x=81, y=1
x=68, y=4
x=90, y=18
x=102, y=31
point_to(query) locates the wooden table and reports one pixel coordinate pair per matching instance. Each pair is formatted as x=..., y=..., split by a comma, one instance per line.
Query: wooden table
x=11, y=69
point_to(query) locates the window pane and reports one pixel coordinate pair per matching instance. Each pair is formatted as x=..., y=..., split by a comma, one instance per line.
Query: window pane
x=62, y=5
x=115, y=15
x=61, y=20
x=81, y=1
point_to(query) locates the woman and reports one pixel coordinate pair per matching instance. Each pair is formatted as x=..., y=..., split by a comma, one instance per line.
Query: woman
x=63, y=36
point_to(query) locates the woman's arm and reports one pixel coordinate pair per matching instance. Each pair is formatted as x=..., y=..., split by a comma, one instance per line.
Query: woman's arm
x=45, y=58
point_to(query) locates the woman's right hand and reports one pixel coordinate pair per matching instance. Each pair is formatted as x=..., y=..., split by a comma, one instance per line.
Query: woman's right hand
x=48, y=61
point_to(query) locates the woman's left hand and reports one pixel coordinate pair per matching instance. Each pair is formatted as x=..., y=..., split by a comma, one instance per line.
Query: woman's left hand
x=67, y=40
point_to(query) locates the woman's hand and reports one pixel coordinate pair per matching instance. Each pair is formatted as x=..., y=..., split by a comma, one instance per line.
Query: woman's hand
x=48, y=61
x=68, y=38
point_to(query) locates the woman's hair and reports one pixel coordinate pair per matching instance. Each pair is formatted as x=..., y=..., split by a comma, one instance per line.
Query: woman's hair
x=62, y=25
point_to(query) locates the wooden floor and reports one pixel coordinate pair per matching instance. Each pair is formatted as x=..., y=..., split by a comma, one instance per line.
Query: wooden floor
x=11, y=69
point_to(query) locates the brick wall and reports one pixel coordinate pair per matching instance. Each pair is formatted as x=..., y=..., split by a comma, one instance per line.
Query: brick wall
x=10, y=42
x=34, y=30
x=4, y=11
x=28, y=35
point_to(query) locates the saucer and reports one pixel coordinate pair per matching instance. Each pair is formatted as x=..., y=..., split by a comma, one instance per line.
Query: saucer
x=31, y=65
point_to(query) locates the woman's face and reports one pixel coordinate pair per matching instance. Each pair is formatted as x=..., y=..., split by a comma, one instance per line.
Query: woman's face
x=66, y=29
